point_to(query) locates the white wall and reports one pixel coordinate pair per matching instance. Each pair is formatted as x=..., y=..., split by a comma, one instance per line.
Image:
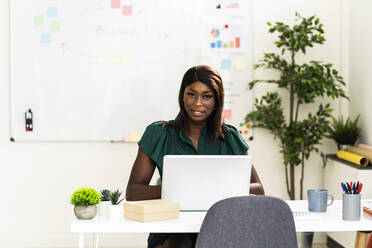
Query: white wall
x=38, y=178
x=360, y=65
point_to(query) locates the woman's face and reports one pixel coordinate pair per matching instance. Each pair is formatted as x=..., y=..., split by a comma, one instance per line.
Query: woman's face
x=199, y=101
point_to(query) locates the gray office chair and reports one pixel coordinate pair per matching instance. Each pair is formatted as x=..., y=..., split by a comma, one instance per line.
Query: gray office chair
x=249, y=222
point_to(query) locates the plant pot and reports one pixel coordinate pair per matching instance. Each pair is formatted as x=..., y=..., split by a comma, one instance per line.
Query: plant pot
x=103, y=208
x=85, y=212
x=116, y=212
x=342, y=147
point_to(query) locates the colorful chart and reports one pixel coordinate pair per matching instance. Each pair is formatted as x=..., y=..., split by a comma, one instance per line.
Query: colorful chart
x=226, y=39
x=215, y=33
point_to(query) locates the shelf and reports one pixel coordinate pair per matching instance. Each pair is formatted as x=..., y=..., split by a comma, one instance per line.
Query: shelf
x=335, y=158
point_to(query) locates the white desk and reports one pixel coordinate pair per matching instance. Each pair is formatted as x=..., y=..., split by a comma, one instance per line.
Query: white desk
x=191, y=222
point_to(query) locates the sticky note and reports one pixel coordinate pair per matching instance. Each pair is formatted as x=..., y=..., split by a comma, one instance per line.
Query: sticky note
x=205, y=52
x=127, y=59
x=52, y=12
x=213, y=45
x=226, y=64
x=134, y=136
x=116, y=58
x=115, y=4
x=100, y=58
x=55, y=25
x=240, y=64
x=127, y=10
x=38, y=20
x=247, y=125
x=45, y=38
x=204, y=17
x=226, y=114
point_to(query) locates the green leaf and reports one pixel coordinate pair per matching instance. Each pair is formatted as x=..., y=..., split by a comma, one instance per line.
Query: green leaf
x=300, y=135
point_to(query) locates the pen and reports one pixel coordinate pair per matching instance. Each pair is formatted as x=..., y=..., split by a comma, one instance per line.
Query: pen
x=360, y=188
x=348, y=188
x=355, y=185
x=343, y=187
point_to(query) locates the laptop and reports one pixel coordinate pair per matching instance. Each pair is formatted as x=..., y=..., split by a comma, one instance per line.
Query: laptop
x=196, y=182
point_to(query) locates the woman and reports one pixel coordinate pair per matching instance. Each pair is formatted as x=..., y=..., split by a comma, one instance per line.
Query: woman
x=197, y=129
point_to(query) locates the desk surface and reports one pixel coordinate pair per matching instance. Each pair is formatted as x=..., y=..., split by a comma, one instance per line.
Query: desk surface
x=191, y=222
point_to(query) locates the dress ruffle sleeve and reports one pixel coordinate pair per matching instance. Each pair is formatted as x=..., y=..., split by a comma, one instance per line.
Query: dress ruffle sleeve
x=154, y=142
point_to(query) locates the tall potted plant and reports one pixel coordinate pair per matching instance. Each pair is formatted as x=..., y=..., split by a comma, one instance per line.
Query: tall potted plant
x=299, y=135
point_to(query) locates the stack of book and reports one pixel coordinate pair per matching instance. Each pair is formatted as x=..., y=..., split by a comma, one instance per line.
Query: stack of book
x=151, y=210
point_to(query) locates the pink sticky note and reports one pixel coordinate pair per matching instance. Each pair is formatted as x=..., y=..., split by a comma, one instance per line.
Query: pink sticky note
x=115, y=4
x=127, y=10
x=226, y=114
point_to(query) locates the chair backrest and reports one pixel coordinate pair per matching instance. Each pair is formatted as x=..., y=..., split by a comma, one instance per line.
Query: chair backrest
x=249, y=222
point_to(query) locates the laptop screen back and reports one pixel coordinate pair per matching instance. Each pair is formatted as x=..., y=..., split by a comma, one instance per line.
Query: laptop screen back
x=198, y=181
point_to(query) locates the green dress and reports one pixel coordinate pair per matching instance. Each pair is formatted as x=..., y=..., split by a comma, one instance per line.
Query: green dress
x=160, y=140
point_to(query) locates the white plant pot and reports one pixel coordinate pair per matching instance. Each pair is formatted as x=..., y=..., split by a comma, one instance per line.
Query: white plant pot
x=116, y=212
x=103, y=208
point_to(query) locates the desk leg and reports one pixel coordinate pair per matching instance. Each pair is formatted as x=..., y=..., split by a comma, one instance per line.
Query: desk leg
x=96, y=240
x=81, y=240
x=360, y=239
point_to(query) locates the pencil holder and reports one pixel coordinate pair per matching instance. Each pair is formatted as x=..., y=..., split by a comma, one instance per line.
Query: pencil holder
x=351, y=206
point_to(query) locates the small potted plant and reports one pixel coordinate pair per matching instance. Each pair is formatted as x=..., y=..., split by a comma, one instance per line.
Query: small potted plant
x=85, y=202
x=115, y=210
x=344, y=133
x=105, y=201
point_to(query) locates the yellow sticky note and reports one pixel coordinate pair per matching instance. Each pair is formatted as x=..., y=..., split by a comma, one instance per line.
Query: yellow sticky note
x=134, y=136
x=116, y=58
x=205, y=17
x=205, y=52
x=127, y=59
x=240, y=65
x=100, y=58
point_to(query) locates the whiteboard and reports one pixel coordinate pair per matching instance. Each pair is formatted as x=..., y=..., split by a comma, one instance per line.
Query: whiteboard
x=102, y=70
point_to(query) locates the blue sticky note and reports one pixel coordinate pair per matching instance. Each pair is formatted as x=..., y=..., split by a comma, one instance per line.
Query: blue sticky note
x=52, y=12
x=213, y=45
x=219, y=44
x=45, y=38
x=226, y=64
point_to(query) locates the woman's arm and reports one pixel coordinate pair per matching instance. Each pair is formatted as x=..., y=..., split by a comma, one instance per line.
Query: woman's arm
x=256, y=187
x=138, y=187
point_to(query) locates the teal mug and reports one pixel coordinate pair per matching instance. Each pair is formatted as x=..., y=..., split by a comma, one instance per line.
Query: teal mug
x=318, y=200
